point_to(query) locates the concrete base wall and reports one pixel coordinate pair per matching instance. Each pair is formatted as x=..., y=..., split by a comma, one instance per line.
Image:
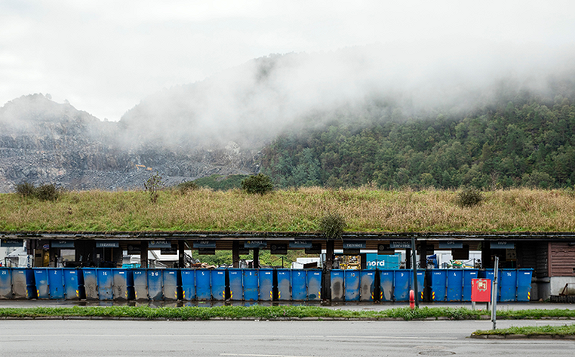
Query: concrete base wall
x=544, y=288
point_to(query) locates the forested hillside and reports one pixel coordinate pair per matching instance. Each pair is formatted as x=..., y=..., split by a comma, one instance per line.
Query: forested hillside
x=522, y=140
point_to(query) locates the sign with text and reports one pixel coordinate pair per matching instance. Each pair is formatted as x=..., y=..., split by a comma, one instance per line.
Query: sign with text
x=300, y=244
x=159, y=244
x=204, y=244
x=12, y=243
x=353, y=245
x=107, y=244
x=62, y=244
x=258, y=244
x=481, y=290
x=450, y=244
x=400, y=245
x=502, y=245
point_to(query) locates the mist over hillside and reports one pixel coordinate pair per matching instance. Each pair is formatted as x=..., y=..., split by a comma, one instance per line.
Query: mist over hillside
x=252, y=103
x=225, y=123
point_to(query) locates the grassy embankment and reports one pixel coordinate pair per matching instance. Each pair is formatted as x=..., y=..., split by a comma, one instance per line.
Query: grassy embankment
x=277, y=312
x=295, y=210
x=528, y=331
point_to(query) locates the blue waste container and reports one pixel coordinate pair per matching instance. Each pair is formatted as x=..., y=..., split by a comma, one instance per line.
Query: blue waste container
x=524, y=284
x=155, y=284
x=172, y=283
x=105, y=284
x=140, y=284
x=337, y=285
x=41, y=280
x=266, y=282
x=56, y=283
x=298, y=284
x=508, y=282
x=236, y=277
x=386, y=282
x=454, y=284
x=437, y=283
x=123, y=284
x=90, y=283
x=251, y=283
x=23, y=286
x=313, y=281
x=401, y=287
x=284, y=284
x=188, y=284
x=203, y=284
x=403, y=284
x=468, y=276
x=218, y=283
x=5, y=283
x=367, y=285
x=351, y=285
x=74, y=284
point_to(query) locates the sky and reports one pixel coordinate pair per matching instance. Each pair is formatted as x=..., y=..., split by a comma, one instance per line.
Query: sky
x=105, y=56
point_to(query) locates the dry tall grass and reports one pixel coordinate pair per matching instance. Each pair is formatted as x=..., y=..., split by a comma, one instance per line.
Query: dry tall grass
x=364, y=209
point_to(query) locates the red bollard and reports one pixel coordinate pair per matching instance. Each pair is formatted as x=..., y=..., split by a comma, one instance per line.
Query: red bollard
x=411, y=299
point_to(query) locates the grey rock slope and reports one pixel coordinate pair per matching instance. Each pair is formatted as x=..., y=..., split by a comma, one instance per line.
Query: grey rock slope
x=42, y=141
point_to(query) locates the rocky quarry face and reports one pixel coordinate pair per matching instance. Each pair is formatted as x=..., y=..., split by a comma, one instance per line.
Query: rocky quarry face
x=45, y=142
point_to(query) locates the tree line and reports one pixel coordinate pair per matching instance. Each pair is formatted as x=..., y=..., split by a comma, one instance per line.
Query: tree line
x=523, y=142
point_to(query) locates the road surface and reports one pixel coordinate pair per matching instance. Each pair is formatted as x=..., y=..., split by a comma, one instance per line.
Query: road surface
x=74, y=338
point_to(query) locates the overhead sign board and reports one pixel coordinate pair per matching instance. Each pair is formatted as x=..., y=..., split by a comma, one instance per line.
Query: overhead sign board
x=278, y=249
x=172, y=250
x=159, y=244
x=134, y=249
x=204, y=244
x=12, y=243
x=351, y=252
x=207, y=251
x=315, y=249
x=502, y=245
x=400, y=245
x=62, y=244
x=384, y=249
x=353, y=245
x=107, y=244
x=450, y=244
x=300, y=244
x=259, y=244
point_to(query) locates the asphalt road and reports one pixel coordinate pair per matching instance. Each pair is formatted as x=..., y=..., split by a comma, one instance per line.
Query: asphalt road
x=266, y=339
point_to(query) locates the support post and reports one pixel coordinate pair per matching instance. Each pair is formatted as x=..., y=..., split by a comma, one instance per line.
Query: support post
x=256, y=258
x=423, y=255
x=414, y=259
x=181, y=254
x=236, y=254
x=494, y=294
x=144, y=254
x=329, y=250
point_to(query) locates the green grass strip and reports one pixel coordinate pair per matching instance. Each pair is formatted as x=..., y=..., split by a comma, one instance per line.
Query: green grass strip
x=531, y=330
x=275, y=312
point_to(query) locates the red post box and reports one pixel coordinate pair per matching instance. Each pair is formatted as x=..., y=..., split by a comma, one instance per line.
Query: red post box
x=481, y=290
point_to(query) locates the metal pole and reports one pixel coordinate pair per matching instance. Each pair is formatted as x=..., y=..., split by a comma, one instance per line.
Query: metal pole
x=414, y=263
x=494, y=294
